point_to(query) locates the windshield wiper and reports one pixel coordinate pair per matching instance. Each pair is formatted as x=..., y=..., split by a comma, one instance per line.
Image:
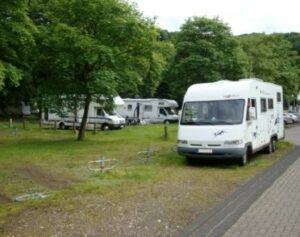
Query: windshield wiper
x=198, y=123
x=205, y=122
x=215, y=122
x=223, y=122
x=189, y=123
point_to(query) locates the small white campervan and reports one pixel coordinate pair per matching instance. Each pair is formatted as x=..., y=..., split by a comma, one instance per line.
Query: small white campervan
x=96, y=116
x=230, y=119
x=148, y=110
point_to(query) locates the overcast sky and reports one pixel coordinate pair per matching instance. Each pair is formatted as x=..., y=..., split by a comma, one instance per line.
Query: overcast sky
x=242, y=16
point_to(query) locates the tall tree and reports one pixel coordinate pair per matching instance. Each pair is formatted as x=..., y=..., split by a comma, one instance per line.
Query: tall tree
x=206, y=51
x=16, y=44
x=294, y=38
x=272, y=58
x=92, y=48
x=160, y=58
x=16, y=41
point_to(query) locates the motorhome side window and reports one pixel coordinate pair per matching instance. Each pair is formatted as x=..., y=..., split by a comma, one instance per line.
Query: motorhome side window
x=263, y=105
x=278, y=97
x=169, y=110
x=148, y=108
x=218, y=112
x=162, y=111
x=270, y=104
x=129, y=107
x=251, y=104
x=100, y=112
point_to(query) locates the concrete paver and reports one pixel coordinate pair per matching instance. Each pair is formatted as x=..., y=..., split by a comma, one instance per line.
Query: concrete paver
x=276, y=212
x=267, y=206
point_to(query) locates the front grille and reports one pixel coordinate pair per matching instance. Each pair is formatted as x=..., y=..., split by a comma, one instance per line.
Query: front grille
x=194, y=144
x=214, y=145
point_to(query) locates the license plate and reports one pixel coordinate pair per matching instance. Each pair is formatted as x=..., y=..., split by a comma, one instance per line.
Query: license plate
x=206, y=151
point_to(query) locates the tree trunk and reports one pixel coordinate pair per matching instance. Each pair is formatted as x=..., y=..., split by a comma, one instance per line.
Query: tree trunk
x=81, y=133
x=75, y=118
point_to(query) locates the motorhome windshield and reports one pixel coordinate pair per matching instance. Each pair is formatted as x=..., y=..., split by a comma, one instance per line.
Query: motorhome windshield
x=170, y=110
x=218, y=112
x=115, y=113
x=112, y=112
x=103, y=112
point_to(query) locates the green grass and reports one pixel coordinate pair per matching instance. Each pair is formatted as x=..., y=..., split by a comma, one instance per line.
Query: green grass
x=48, y=160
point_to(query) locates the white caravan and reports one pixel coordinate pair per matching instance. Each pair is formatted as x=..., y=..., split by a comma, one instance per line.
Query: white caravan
x=230, y=119
x=148, y=110
x=96, y=116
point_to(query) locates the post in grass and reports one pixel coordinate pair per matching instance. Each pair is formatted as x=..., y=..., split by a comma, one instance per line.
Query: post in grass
x=166, y=132
x=10, y=123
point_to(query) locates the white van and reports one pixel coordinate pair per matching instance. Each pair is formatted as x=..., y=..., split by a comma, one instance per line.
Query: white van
x=230, y=119
x=97, y=116
x=148, y=110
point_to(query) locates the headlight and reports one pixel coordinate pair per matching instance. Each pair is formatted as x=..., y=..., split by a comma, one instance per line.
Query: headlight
x=234, y=142
x=182, y=142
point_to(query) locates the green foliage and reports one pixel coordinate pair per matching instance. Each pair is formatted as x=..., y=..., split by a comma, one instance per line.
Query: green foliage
x=206, y=51
x=294, y=38
x=272, y=58
x=16, y=41
x=89, y=46
x=84, y=49
x=162, y=54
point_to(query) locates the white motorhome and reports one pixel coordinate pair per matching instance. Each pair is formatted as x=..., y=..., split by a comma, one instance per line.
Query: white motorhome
x=230, y=119
x=96, y=116
x=148, y=110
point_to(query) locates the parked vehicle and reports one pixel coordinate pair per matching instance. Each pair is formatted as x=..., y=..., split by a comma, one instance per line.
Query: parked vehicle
x=287, y=118
x=97, y=116
x=230, y=119
x=148, y=110
x=294, y=117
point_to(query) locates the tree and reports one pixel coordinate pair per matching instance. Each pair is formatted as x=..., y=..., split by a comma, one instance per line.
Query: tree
x=162, y=54
x=92, y=48
x=294, y=38
x=272, y=58
x=206, y=52
x=16, y=41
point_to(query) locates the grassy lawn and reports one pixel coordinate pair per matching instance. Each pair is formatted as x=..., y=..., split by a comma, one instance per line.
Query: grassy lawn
x=158, y=197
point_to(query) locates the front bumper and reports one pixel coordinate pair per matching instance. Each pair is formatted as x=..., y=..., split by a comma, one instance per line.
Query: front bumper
x=119, y=125
x=221, y=153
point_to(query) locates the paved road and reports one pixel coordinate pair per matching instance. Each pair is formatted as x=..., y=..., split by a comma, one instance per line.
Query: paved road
x=267, y=206
x=293, y=135
x=277, y=211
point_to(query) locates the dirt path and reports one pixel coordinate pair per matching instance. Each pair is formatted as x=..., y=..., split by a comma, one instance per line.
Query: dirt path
x=164, y=210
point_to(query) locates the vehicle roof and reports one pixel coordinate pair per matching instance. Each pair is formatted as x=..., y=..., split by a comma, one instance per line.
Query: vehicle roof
x=171, y=103
x=225, y=89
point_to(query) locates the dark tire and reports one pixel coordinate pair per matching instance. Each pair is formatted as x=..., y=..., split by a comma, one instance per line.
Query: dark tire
x=273, y=142
x=166, y=122
x=191, y=160
x=62, y=126
x=104, y=127
x=269, y=149
x=244, y=159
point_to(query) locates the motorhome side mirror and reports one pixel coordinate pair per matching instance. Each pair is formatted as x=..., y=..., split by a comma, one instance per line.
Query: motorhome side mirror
x=252, y=113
